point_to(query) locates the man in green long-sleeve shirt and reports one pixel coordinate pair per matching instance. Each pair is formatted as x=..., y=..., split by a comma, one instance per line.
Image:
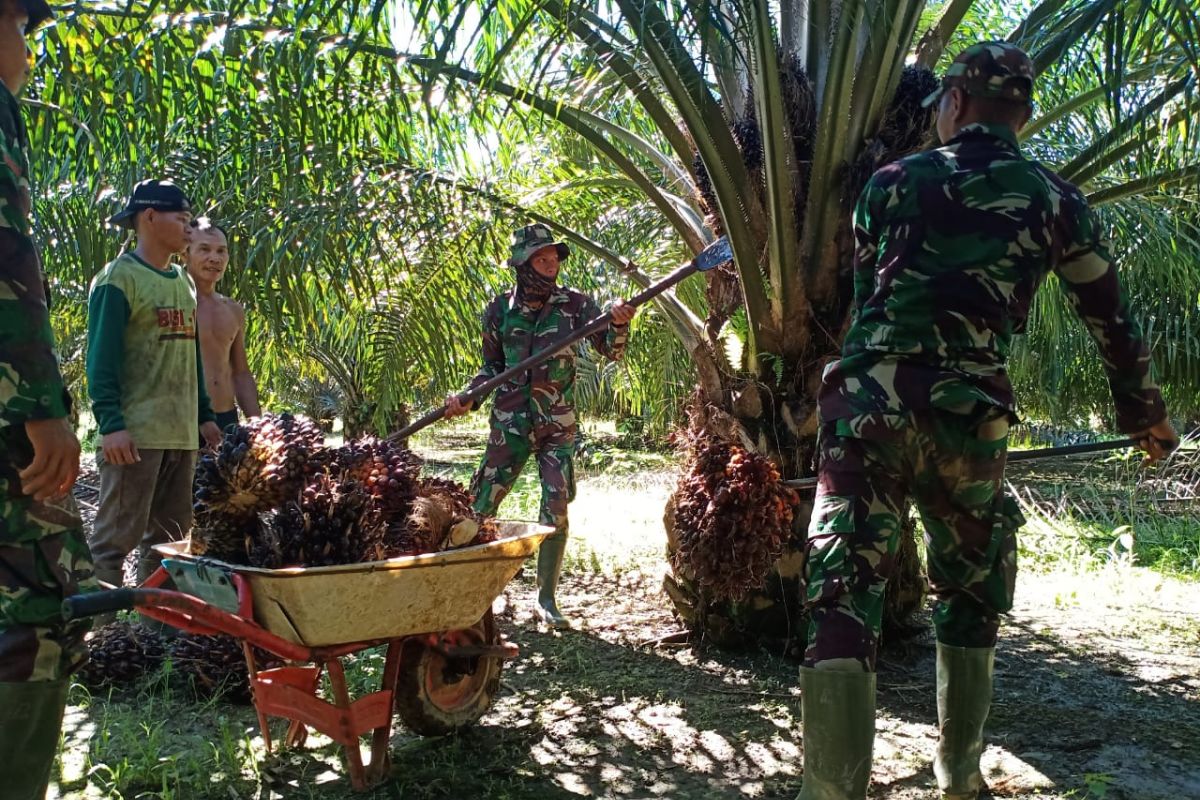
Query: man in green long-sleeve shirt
x=146, y=382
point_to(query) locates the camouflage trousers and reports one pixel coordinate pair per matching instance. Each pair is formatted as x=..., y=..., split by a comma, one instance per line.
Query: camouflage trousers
x=44, y=558
x=507, y=451
x=952, y=466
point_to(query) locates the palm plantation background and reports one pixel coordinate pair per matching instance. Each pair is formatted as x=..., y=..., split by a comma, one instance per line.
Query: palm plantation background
x=370, y=159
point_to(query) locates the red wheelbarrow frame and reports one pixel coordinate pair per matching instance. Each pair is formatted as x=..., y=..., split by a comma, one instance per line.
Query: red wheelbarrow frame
x=290, y=692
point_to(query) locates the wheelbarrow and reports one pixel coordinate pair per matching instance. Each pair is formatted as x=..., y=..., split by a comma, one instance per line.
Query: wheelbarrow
x=431, y=611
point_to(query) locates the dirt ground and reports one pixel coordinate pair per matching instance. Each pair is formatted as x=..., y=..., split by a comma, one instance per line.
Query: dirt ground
x=1097, y=696
x=1092, y=700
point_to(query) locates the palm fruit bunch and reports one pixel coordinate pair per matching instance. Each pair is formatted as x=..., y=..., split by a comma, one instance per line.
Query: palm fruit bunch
x=388, y=470
x=906, y=127
x=273, y=497
x=456, y=494
x=441, y=518
x=382, y=462
x=223, y=536
x=120, y=653
x=258, y=465
x=215, y=666
x=424, y=530
x=332, y=520
x=733, y=515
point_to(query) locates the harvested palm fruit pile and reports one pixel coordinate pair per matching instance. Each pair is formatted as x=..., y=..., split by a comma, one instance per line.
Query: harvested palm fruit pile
x=120, y=654
x=733, y=515
x=273, y=496
x=215, y=666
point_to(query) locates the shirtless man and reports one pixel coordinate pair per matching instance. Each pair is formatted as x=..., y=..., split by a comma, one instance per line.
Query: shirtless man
x=222, y=326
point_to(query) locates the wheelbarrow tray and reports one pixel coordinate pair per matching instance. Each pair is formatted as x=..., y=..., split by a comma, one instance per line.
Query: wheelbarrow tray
x=323, y=606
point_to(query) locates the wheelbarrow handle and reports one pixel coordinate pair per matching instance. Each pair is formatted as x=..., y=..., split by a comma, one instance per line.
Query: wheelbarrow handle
x=89, y=605
x=192, y=614
x=713, y=255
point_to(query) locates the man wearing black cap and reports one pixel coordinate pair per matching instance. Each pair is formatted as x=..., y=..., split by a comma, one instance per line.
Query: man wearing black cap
x=43, y=554
x=950, y=248
x=146, y=381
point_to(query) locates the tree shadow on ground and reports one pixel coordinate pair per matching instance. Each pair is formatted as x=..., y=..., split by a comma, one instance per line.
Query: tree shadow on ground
x=583, y=716
x=1068, y=719
x=613, y=710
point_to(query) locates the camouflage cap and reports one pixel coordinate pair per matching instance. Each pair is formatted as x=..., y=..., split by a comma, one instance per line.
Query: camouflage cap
x=989, y=69
x=531, y=238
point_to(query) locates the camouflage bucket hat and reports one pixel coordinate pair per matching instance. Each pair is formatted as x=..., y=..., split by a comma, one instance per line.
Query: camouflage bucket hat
x=989, y=69
x=531, y=238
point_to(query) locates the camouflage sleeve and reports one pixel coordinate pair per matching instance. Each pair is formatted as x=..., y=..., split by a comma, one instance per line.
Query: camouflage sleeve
x=31, y=386
x=1089, y=277
x=492, y=349
x=868, y=214
x=610, y=342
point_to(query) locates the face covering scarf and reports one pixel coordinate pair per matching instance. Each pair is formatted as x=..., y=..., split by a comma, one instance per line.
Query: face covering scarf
x=531, y=286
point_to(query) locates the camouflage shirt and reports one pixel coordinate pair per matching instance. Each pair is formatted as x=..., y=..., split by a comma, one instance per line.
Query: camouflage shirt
x=950, y=247
x=541, y=400
x=31, y=386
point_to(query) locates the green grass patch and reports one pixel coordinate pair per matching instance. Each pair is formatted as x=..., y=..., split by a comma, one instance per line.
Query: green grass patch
x=621, y=492
x=1166, y=545
x=1092, y=511
x=143, y=742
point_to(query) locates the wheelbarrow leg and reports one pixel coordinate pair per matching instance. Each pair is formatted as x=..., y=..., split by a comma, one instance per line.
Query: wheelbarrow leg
x=297, y=735
x=297, y=732
x=341, y=697
x=252, y=671
x=381, y=741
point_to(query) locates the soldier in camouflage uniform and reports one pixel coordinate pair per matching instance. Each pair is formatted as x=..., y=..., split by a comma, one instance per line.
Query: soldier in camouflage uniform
x=534, y=413
x=43, y=554
x=951, y=246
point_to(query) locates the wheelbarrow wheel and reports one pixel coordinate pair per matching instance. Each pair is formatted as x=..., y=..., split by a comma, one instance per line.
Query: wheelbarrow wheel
x=436, y=695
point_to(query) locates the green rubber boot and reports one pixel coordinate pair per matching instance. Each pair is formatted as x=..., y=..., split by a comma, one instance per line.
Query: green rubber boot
x=549, y=566
x=838, y=713
x=964, y=697
x=31, y=716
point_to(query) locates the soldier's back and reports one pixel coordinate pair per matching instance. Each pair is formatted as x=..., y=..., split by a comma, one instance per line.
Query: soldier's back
x=952, y=245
